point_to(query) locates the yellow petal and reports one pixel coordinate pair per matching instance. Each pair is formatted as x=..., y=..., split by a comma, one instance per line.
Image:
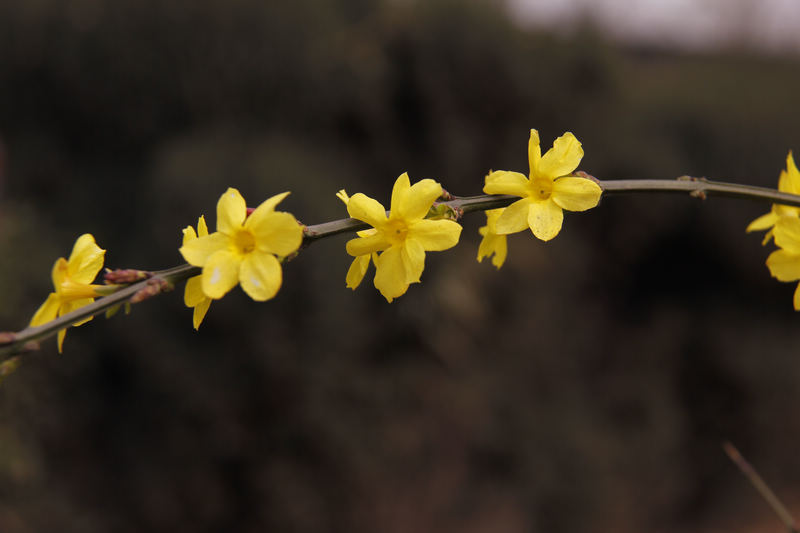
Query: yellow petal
x=231, y=211
x=796, y=299
x=73, y=305
x=47, y=311
x=792, y=175
x=576, y=194
x=61, y=334
x=783, y=182
x=342, y=195
x=220, y=273
x=276, y=232
x=493, y=244
x=188, y=234
x=86, y=259
x=418, y=200
x=358, y=268
x=260, y=276
x=399, y=192
x=787, y=234
x=435, y=235
x=534, y=151
x=270, y=203
x=785, y=210
x=784, y=265
x=413, y=256
x=198, y=251
x=199, y=312
x=367, y=245
x=514, y=217
x=505, y=182
x=366, y=209
x=390, y=274
x=202, y=228
x=367, y=232
x=763, y=222
x=59, y=273
x=193, y=294
x=545, y=219
x=491, y=218
x=561, y=159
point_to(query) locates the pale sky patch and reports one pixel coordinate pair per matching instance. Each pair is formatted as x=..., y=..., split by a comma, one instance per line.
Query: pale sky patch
x=693, y=24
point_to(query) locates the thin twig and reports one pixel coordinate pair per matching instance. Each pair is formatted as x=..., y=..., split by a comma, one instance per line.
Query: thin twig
x=761, y=486
x=12, y=343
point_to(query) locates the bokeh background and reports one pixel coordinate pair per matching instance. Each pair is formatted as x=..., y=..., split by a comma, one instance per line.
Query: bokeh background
x=586, y=386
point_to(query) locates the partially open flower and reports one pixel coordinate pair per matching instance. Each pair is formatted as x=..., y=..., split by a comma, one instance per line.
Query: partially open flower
x=788, y=181
x=72, y=280
x=492, y=244
x=193, y=295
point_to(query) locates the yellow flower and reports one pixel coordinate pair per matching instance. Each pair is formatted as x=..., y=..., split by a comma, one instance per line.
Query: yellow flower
x=784, y=263
x=492, y=243
x=245, y=249
x=194, y=296
x=547, y=191
x=404, y=236
x=72, y=280
x=788, y=181
x=360, y=265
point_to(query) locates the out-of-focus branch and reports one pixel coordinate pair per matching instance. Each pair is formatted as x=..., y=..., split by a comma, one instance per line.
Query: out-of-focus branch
x=761, y=486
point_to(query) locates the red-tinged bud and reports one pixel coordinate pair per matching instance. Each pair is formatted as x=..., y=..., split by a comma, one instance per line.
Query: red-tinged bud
x=153, y=287
x=125, y=275
x=445, y=196
x=30, y=346
x=7, y=337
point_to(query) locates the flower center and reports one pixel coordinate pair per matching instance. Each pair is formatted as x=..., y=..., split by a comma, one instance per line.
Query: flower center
x=244, y=241
x=541, y=188
x=395, y=232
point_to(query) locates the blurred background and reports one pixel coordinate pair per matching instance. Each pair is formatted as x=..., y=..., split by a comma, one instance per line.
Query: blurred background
x=587, y=385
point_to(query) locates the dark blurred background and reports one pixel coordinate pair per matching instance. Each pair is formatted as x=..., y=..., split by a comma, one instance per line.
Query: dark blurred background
x=586, y=386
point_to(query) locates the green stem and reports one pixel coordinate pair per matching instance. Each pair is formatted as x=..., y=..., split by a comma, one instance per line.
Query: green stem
x=25, y=340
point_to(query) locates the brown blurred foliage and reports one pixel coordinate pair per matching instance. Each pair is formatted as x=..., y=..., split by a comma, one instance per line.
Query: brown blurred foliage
x=587, y=385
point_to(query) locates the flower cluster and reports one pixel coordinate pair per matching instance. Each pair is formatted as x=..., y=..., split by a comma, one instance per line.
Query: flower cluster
x=249, y=245
x=783, y=224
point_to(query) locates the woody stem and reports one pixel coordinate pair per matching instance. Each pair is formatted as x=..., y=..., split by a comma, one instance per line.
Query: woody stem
x=25, y=340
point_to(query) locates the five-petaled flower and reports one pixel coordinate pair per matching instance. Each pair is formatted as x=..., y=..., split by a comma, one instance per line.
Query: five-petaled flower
x=547, y=191
x=784, y=263
x=72, y=280
x=245, y=249
x=360, y=265
x=492, y=243
x=404, y=236
x=194, y=296
x=788, y=181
